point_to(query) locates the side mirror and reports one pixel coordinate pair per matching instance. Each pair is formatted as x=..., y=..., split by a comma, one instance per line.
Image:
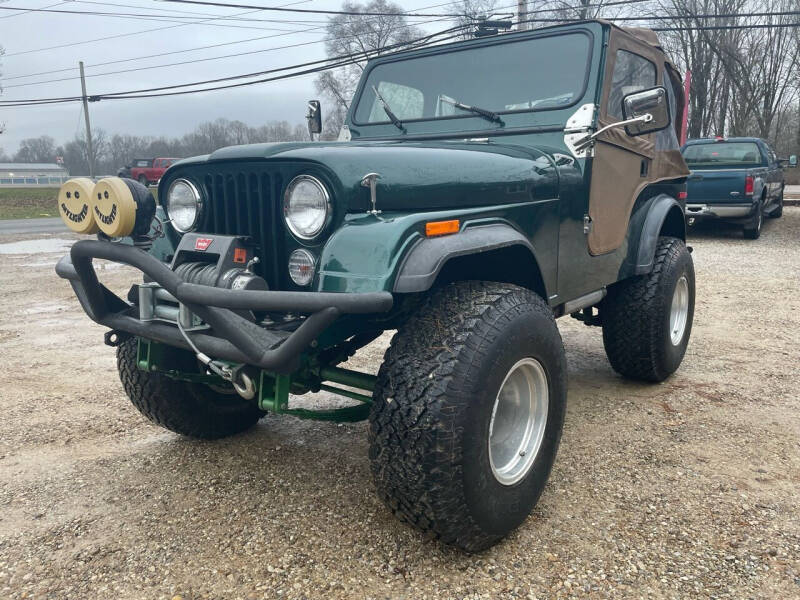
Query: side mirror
x=314, y=117
x=653, y=102
x=793, y=161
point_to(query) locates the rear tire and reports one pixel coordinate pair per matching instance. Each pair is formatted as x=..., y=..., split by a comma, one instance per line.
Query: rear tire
x=752, y=231
x=647, y=320
x=143, y=180
x=449, y=453
x=778, y=212
x=191, y=409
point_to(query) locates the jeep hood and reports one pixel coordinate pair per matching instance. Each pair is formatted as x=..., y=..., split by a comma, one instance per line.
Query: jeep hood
x=413, y=176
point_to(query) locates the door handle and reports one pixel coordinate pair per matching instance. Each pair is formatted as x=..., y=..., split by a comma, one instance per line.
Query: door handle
x=695, y=177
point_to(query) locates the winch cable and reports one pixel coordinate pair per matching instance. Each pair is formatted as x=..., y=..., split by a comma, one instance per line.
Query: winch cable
x=218, y=369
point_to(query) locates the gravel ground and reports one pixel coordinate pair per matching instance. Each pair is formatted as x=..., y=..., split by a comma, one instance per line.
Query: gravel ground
x=684, y=489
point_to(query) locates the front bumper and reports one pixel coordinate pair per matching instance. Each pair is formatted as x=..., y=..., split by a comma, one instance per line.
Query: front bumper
x=720, y=211
x=231, y=336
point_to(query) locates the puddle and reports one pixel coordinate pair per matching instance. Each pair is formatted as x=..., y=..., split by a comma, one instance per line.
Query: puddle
x=43, y=246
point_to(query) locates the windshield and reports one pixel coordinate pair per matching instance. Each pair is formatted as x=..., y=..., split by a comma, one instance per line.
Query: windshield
x=532, y=74
x=739, y=154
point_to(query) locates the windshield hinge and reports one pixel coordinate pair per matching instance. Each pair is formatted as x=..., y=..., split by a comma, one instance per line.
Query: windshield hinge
x=587, y=224
x=577, y=127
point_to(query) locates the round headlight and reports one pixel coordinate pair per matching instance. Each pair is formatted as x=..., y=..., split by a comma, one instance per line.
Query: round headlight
x=301, y=266
x=183, y=205
x=306, y=206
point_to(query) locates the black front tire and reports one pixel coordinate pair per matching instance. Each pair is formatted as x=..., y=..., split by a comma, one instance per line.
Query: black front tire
x=637, y=331
x=191, y=409
x=434, y=405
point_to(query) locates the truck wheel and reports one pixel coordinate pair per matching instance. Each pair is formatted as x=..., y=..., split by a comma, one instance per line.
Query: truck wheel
x=191, y=409
x=752, y=231
x=647, y=320
x=468, y=411
x=778, y=212
x=143, y=180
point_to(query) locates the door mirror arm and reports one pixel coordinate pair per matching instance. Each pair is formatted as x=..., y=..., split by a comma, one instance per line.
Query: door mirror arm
x=587, y=141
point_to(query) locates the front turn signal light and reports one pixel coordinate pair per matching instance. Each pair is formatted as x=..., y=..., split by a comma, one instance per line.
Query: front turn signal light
x=435, y=228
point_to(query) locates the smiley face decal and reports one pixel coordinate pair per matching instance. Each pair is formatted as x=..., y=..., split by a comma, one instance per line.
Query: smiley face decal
x=113, y=207
x=74, y=205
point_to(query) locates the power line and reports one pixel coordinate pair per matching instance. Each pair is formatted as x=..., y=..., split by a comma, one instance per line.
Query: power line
x=132, y=33
x=156, y=18
x=23, y=11
x=218, y=45
x=193, y=61
x=247, y=6
x=153, y=92
x=184, y=12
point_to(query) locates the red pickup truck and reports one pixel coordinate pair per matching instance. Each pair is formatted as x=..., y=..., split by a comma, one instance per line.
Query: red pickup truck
x=149, y=170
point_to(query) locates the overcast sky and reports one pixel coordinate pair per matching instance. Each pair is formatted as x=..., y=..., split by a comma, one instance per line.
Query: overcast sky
x=24, y=36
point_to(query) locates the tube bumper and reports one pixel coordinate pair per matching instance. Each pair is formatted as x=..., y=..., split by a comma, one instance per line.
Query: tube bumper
x=231, y=336
x=721, y=211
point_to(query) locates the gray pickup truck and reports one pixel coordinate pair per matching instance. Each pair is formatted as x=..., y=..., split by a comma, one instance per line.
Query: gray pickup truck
x=736, y=179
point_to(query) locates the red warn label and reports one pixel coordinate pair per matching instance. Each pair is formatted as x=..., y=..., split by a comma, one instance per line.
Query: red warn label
x=202, y=244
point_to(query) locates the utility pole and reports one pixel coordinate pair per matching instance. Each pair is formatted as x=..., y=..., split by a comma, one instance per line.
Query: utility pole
x=522, y=14
x=86, y=118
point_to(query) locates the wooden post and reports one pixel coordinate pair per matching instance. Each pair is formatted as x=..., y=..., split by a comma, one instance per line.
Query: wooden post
x=86, y=118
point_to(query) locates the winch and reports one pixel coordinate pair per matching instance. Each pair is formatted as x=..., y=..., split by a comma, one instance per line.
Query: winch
x=216, y=261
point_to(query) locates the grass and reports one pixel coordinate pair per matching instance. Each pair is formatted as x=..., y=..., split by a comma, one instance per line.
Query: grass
x=33, y=203
x=28, y=203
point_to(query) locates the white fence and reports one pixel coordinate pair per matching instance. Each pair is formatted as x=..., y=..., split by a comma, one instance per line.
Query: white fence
x=32, y=181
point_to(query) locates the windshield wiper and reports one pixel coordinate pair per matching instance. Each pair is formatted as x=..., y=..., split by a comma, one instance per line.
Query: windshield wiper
x=392, y=117
x=486, y=114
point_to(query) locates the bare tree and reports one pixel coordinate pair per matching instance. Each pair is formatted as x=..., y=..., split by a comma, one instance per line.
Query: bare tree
x=36, y=150
x=2, y=124
x=358, y=35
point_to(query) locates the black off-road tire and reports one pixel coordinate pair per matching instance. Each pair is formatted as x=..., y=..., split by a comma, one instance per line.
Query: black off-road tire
x=434, y=401
x=752, y=231
x=636, y=316
x=143, y=180
x=191, y=409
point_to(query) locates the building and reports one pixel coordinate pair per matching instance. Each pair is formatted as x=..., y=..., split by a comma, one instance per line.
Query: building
x=32, y=174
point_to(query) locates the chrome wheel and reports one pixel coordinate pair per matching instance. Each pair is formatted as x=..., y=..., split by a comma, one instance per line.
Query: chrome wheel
x=679, y=312
x=519, y=418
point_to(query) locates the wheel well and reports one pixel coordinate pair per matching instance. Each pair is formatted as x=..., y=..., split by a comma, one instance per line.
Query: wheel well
x=674, y=224
x=511, y=264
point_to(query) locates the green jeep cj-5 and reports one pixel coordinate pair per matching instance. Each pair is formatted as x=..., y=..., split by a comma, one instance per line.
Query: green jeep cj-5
x=479, y=190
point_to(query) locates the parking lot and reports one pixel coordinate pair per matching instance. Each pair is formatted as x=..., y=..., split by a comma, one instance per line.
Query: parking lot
x=690, y=488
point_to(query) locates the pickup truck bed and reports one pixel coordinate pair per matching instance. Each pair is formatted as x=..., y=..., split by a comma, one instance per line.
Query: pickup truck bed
x=736, y=179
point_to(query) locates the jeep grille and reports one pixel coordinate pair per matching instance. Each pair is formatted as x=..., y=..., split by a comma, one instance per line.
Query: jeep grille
x=243, y=203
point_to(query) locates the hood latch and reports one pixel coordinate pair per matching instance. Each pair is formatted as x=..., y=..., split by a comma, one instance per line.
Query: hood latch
x=370, y=180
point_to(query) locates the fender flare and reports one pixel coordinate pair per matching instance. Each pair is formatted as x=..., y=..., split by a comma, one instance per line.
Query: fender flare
x=425, y=260
x=654, y=215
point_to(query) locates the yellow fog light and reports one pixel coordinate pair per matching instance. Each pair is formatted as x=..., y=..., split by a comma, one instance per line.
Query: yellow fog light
x=114, y=207
x=75, y=205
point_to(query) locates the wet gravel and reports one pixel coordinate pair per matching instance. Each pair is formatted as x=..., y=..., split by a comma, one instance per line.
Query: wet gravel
x=686, y=489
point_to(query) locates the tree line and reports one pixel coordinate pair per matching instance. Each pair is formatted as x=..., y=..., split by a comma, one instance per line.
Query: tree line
x=112, y=151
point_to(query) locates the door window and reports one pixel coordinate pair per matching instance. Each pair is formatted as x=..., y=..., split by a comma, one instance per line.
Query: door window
x=632, y=73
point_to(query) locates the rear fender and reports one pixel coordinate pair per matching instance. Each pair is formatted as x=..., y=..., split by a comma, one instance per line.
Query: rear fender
x=660, y=215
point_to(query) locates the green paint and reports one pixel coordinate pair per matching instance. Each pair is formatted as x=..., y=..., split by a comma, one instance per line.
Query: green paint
x=349, y=378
